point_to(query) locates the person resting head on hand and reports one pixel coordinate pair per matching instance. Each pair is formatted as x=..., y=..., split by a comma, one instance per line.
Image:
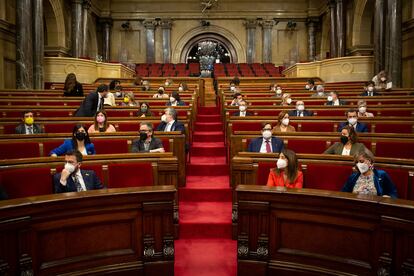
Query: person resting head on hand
x=367, y=180
x=286, y=174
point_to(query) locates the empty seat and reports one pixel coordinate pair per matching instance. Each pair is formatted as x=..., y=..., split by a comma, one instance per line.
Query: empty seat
x=130, y=175
x=395, y=149
x=326, y=176
x=19, y=150
x=109, y=146
x=307, y=146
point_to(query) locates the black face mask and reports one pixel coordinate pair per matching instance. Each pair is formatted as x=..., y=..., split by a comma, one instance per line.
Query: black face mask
x=160, y=91
x=144, y=109
x=143, y=136
x=80, y=136
x=344, y=140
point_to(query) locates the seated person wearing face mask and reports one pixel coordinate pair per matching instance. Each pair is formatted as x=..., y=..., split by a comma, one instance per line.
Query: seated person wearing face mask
x=286, y=100
x=242, y=110
x=161, y=93
x=175, y=100
x=28, y=126
x=310, y=85
x=283, y=123
x=333, y=99
x=267, y=143
x=277, y=90
x=370, y=89
x=93, y=102
x=349, y=143
x=236, y=99
x=182, y=87
x=300, y=110
x=146, y=85
x=168, y=82
x=320, y=92
x=72, y=178
x=80, y=141
x=169, y=121
x=369, y=181
x=286, y=174
x=362, y=109
x=144, y=110
x=101, y=123
x=352, y=117
x=147, y=142
x=129, y=100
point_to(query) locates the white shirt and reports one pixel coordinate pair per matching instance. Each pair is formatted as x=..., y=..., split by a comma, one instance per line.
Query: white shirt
x=80, y=178
x=28, y=129
x=169, y=125
x=336, y=102
x=346, y=151
x=174, y=103
x=242, y=113
x=263, y=147
x=99, y=102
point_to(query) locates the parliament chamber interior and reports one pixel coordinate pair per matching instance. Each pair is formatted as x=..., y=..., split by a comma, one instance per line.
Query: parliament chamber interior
x=206, y=137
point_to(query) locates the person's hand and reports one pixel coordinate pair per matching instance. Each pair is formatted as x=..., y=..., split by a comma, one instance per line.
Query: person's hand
x=386, y=196
x=143, y=115
x=64, y=176
x=53, y=155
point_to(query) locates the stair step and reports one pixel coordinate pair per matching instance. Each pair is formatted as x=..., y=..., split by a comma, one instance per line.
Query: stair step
x=205, y=212
x=204, y=194
x=221, y=181
x=208, y=126
x=209, y=110
x=201, y=169
x=203, y=149
x=208, y=118
x=211, y=136
x=208, y=160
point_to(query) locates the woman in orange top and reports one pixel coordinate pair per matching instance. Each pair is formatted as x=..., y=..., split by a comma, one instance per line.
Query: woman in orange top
x=286, y=174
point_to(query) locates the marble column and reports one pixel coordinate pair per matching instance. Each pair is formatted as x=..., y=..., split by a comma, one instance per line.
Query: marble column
x=393, y=54
x=150, y=39
x=311, y=24
x=38, y=44
x=85, y=15
x=166, y=40
x=379, y=36
x=106, y=32
x=251, y=25
x=77, y=39
x=340, y=29
x=24, y=44
x=333, y=37
x=267, y=40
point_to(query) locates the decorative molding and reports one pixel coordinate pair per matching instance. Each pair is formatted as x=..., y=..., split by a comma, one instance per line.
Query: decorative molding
x=243, y=246
x=168, y=248
x=25, y=265
x=262, y=247
x=407, y=268
x=149, y=250
x=4, y=268
x=251, y=23
x=176, y=216
x=384, y=265
x=234, y=214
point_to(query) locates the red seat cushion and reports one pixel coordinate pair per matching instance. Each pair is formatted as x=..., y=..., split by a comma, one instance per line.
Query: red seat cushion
x=317, y=127
x=19, y=150
x=393, y=128
x=130, y=175
x=263, y=171
x=400, y=178
x=128, y=127
x=326, y=176
x=246, y=126
x=59, y=128
x=109, y=146
x=48, y=146
x=26, y=182
x=395, y=149
x=307, y=146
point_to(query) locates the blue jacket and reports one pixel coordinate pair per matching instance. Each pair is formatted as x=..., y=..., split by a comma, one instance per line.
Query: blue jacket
x=256, y=144
x=90, y=179
x=382, y=182
x=360, y=127
x=68, y=145
x=179, y=103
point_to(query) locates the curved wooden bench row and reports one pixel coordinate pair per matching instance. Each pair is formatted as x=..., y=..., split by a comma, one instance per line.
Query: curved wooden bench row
x=39, y=145
x=393, y=145
x=312, y=232
x=128, y=230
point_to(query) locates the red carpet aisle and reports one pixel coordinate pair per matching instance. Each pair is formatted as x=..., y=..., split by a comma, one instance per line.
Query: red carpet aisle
x=205, y=246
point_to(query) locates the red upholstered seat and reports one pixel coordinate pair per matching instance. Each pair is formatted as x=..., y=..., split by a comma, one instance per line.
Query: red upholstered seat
x=19, y=150
x=307, y=146
x=246, y=126
x=48, y=146
x=400, y=178
x=326, y=176
x=393, y=112
x=10, y=129
x=26, y=182
x=396, y=149
x=317, y=126
x=59, y=128
x=109, y=146
x=263, y=171
x=330, y=112
x=128, y=127
x=267, y=112
x=393, y=128
x=130, y=175
x=120, y=113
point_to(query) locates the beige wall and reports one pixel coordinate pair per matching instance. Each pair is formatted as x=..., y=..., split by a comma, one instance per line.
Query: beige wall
x=408, y=44
x=7, y=44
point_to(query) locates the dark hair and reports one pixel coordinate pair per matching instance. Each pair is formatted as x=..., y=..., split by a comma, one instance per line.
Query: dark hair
x=76, y=153
x=236, y=95
x=102, y=88
x=148, y=113
x=272, y=85
x=113, y=83
x=351, y=110
x=96, y=125
x=353, y=136
x=311, y=81
x=138, y=80
x=175, y=95
x=370, y=83
x=292, y=167
x=235, y=80
x=336, y=93
x=70, y=82
x=74, y=140
x=266, y=123
x=184, y=86
x=148, y=124
x=26, y=111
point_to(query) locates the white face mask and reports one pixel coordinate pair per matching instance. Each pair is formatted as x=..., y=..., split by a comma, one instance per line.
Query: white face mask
x=166, y=83
x=320, y=93
x=180, y=89
x=362, y=109
x=383, y=79
x=242, y=108
x=164, y=118
x=362, y=167
x=285, y=121
x=118, y=94
x=330, y=99
x=352, y=121
x=281, y=163
x=267, y=134
x=301, y=107
x=172, y=99
x=232, y=88
x=370, y=88
x=278, y=91
x=69, y=167
x=289, y=100
x=307, y=86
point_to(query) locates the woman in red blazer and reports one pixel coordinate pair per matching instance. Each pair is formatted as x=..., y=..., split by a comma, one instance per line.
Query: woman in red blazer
x=286, y=173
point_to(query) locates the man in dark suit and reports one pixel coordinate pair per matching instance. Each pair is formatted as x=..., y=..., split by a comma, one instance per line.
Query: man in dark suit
x=267, y=143
x=370, y=89
x=28, y=126
x=333, y=99
x=93, y=102
x=352, y=116
x=147, y=142
x=242, y=110
x=300, y=110
x=72, y=178
x=169, y=121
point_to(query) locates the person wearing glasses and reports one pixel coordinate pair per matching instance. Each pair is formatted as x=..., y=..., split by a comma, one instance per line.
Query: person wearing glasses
x=146, y=141
x=267, y=143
